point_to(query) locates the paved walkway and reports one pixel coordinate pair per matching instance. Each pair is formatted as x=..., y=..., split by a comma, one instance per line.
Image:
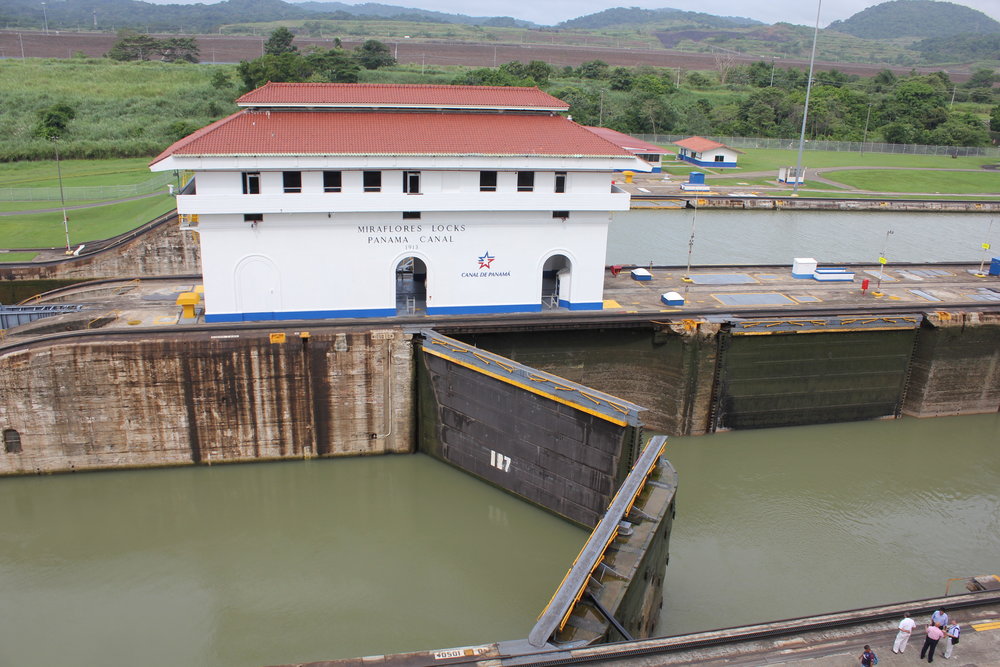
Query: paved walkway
x=669, y=185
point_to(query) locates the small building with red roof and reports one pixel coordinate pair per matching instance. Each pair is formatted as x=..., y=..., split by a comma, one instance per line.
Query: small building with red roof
x=643, y=150
x=327, y=200
x=707, y=153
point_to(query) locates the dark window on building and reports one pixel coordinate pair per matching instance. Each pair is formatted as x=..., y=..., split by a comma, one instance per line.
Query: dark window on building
x=525, y=181
x=292, y=181
x=720, y=158
x=11, y=441
x=253, y=217
x=251, y=182
x=411, y=182
x=332, y=181
x=373, y=181
x=411, y=215
x=487, y=181
x=560, y=181
x=560, y=214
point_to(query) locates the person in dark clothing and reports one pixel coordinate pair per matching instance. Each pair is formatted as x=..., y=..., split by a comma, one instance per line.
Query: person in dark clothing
x=868, y=658
x=934, y=635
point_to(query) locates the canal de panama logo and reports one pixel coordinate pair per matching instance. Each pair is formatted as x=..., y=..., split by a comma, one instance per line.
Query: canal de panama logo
x=486, y=268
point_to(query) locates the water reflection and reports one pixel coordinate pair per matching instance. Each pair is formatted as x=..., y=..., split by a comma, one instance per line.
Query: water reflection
x=788, y=522
x=268, y=563
x=775, y=237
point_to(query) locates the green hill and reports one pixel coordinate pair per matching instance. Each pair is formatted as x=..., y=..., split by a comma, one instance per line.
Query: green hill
x=916, y=18
x=623, y=16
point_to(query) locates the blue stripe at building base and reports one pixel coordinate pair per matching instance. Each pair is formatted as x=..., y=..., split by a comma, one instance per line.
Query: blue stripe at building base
x=483, y=310
x=300, y=315
x=582, y=305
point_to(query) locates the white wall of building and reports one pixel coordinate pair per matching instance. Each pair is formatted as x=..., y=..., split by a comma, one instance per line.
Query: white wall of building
x=312, y=266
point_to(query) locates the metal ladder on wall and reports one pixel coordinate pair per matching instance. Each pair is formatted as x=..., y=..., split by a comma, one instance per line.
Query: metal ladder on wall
x=724, y=337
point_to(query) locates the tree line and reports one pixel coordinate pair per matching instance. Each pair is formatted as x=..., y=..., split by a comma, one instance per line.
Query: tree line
x=760, y=100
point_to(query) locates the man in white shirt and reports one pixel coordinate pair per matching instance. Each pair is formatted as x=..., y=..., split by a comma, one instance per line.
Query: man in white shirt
x=905, y=628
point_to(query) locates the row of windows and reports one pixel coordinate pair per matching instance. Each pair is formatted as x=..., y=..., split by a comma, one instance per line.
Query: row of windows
x=371, y=181
x=255, y=218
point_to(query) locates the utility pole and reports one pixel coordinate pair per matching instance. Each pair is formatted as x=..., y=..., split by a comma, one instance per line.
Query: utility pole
x=805, y=110
x=62, y=195
x=864, y=137
x=45, y=18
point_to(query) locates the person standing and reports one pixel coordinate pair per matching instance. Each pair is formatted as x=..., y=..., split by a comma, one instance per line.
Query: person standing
x=903, y=636
x=934, y=635
x=868, y=658
x=940, y=617
x=952, y=633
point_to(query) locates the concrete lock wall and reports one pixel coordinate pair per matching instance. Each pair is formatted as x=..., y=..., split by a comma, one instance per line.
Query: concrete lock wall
x=956, y=366
x=97, y=402
x=697, y=377
x=160, y=248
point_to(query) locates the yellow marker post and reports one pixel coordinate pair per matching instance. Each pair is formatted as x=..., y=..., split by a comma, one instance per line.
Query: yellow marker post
x=187, y=301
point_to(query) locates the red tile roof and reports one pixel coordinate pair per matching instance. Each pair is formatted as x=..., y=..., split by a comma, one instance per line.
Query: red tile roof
x=701, y=144
x=628, y=142
x=400, y=95
x=392, y=133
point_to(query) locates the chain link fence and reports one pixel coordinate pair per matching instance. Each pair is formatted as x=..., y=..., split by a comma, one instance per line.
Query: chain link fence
x=842, y=146
x=89, y=193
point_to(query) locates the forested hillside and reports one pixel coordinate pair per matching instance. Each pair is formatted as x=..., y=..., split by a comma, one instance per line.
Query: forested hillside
x=634, y=16
x=916, y=18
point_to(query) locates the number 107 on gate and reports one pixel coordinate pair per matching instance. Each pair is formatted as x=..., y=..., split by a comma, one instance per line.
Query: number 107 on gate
x=499, y=461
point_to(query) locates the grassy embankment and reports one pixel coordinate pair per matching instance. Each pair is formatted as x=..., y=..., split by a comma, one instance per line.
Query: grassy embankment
x=122, y=109
x=45, y=229
x=885, y=179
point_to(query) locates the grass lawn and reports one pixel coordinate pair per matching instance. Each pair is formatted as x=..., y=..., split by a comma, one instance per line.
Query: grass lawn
x=771, y=183
x=45, y=230
x=38, y=205
x=17, y=256
x=75, y=173
x=770, y=159
x=876, y=196
x=934, y=182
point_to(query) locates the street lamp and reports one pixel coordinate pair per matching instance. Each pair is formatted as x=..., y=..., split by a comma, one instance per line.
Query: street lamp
x=805, y=110
x=986, y=247
x=687, y=273
x=882, y=261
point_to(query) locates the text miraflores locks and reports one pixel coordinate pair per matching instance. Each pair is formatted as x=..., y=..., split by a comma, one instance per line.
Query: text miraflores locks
x=391, y=234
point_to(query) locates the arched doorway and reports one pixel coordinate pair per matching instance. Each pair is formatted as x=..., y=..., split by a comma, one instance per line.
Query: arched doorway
x=258, y=287
x=555, y=281
x=411, y=286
